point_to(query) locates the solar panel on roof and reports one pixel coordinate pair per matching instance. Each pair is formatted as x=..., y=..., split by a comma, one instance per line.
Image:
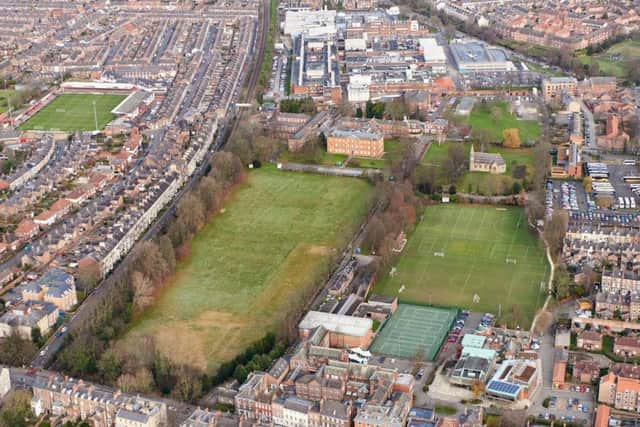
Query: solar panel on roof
x=502, y=387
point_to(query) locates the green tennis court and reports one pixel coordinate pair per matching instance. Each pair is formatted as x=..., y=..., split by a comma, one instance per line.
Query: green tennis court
x=414, y=330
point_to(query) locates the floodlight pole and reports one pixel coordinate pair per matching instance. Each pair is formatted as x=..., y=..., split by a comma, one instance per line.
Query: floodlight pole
x=95, y=115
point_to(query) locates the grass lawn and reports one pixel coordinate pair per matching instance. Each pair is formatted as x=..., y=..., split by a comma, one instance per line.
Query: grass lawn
x=437, y=154
x=609, y=64
x=275, y=238
x=74, y=112
x=4, y=99
x=458, y=251
x=480, y=118
x=393, y=151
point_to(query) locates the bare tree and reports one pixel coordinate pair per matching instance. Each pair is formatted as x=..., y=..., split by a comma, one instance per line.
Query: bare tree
x=142, y=291
x=226, y=168
x=191, y=213
x=555, y=229
x=150, y=262
x=89, y=273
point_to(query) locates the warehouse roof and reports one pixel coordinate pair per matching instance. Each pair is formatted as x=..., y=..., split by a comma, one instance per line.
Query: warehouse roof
x=347, y=325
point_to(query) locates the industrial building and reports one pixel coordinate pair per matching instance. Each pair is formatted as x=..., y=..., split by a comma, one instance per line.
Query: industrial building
x=474, y=57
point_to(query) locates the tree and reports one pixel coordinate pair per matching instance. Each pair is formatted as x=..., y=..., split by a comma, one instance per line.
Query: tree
x=36, y=336
x=240, y=373
x=483, y=136
x=139, y=382
x=226, y=168
x=555, y=229
x=142, y=291
x=209, y=193
x=17, y=351
x=375, y=232
x=89, y=273
x=188, y=385
x=150, y=262
x=562, y=283
x=191, y=213
x=374, y=110
x=110, y=366
x=242, y=147
x=267, y=149
x=396, y=109
x=454, y=163
x=511, y=138
x=177, y=233
x=477, y=388
x=16, y=409
x=166, y=250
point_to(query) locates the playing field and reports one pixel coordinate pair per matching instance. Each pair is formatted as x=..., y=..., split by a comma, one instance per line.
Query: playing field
x=616, y=60
x=481, y=117
x=252, y=263
x=74, y=112
x=413, y=331
x=478, y=257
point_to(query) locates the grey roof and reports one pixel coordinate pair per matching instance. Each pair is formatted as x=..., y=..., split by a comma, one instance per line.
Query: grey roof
x=347, y=325
x=132, y=416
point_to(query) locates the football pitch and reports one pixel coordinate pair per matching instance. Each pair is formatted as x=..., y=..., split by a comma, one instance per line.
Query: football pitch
x=414, y=331
x=478, y=257
x=74, y=112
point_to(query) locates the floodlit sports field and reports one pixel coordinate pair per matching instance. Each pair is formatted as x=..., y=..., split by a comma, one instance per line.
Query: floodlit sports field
x=250, y=264
x=413, y=330
x=478, y=257
x=74, y=112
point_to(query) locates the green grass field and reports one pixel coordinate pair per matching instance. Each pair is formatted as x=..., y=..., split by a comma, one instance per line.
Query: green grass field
x=459, y=251
x=437, y=154
x=615, y=61
x=74, y=112
x=393, y=151
x=481, y=118
x=4, y=99
x=251, y=262
x=413, y=330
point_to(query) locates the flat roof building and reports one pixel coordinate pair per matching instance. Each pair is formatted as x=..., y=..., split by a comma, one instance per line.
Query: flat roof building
x=474, y=57
x=344, y=331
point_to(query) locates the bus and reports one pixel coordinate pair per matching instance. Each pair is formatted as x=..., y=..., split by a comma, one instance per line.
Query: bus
x=632, y=179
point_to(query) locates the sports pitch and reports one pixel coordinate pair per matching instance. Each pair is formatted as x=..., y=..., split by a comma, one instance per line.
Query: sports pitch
x=251, y=263
x=74, y=112
x=413, y=330
x=478, y=257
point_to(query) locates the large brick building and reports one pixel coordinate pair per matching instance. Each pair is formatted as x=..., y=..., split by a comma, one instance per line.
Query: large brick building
x=358, y=143
x=344, y=331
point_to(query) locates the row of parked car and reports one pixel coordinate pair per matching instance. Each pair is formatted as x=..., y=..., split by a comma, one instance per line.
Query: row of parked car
x=456, y=331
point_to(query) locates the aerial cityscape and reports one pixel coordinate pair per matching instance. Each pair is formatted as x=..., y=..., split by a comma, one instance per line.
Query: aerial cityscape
x=317, y=213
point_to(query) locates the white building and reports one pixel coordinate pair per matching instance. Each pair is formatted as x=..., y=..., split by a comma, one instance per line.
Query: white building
x=358, y=88
x=313, y=23
x=434, y=55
